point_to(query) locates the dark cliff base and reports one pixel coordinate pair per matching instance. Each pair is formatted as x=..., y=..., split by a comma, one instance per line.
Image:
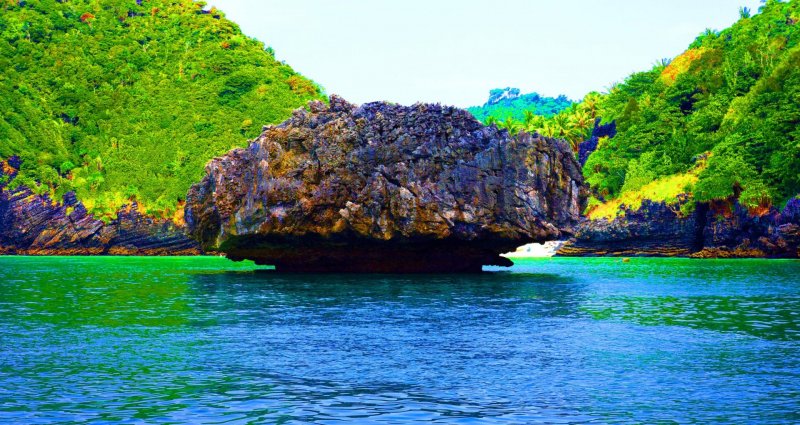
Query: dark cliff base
x=720, y=230
x=33, y=224
x=328, y=256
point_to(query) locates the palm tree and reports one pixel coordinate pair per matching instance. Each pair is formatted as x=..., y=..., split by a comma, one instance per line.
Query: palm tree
x=491, y=120
x=590, y=104
x=744, y=12
x=513, y=127
x=570, y=109
x=529, y=118
x=547, y=129
x=709, y=33
x=532, y=122
x=561, y=124
x=581, y=122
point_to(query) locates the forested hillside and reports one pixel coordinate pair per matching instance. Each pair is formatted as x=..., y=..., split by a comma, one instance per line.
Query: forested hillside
x=128, y=99
x=722, y=119
x=733, y=96
x=120, y=100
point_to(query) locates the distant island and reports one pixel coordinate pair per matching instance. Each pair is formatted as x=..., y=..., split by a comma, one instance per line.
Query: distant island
x=510, y=103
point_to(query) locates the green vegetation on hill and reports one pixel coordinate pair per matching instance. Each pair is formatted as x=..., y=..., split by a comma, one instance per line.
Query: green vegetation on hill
x=730, y=102
x=509, y=103
x=128, y=99
x=734, y=94
x=574, y=123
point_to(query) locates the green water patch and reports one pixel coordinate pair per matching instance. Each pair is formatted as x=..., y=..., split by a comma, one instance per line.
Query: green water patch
x=762, y=316
x=106, y=291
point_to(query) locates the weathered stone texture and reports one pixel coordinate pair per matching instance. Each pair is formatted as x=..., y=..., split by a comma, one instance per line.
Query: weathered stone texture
x=385, y=188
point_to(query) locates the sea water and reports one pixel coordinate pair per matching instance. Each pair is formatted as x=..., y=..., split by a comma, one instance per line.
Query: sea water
x=174, y=340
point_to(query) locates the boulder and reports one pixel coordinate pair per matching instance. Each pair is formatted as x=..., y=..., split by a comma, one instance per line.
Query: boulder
x=385, y=188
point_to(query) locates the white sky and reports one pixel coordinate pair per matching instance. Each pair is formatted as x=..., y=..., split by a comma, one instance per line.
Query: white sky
x=455, y=51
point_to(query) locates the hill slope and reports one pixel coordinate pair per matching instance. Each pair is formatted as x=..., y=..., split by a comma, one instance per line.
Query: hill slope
x=706, y=157
x=726, y=113
x=123, y=99
x=733, y=96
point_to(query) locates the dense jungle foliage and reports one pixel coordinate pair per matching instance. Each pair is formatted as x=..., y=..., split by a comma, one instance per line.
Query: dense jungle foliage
x=726, y=111
x=128, y=99
x=509, y=103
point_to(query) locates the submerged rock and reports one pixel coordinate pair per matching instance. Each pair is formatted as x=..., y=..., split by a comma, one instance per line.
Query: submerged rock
x=385, y=188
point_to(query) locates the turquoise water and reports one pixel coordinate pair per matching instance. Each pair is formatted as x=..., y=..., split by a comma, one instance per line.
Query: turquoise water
x=173, y=340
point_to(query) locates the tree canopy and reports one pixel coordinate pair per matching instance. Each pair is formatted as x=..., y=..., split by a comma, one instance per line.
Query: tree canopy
x=128, y=99
x=733, y=97
x=727, y=111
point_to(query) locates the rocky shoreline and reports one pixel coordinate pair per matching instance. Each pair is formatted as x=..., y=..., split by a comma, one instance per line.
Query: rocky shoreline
x=718, y=230
x=32, y=224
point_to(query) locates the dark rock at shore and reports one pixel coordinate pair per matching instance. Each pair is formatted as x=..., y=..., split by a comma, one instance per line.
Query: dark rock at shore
x=654, y=229
x=717, y=230
x=385, y=188
x=735, y=232
x=33, y=224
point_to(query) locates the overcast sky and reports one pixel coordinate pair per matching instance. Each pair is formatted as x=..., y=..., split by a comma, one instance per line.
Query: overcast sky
x=455, y=51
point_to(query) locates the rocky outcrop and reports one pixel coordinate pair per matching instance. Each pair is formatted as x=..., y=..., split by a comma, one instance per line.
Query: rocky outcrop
x=717, y=230
x=654, y=229
x=33, y=224
x=385, y=188
x=735, y=232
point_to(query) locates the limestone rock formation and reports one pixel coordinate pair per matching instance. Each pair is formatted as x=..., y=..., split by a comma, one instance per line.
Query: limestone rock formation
x=385, y=188
x=498, y=95
x=717, y=230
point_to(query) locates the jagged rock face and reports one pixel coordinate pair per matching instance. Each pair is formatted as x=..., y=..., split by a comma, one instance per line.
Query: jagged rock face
x=718, y=230
x=734, y=232
x=385, y=188
x=33, y=224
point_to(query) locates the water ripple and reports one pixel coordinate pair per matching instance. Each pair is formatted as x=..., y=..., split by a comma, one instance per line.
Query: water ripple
x=134, y=340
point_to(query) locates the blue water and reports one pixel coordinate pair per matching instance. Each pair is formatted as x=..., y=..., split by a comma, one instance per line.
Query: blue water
x=174, y=340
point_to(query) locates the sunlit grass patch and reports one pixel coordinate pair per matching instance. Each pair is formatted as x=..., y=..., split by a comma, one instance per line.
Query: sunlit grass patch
x=665, y=189
x=680, y=64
